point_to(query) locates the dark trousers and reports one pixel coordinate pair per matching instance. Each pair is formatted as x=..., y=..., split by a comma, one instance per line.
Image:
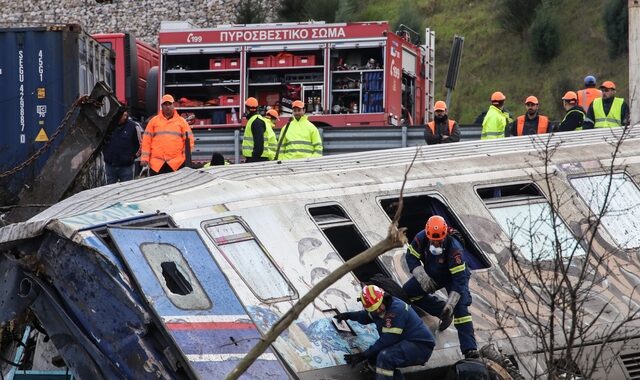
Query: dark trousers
x=164, y=169
x=434, y=306
x=401, y=354
x=118, y=173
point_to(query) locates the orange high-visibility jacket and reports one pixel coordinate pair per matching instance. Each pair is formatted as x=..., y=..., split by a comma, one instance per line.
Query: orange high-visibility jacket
x=586, y=97
x=164, y=141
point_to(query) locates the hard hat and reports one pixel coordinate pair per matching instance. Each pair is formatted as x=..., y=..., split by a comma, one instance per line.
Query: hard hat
x=167, y=99
x=531, y=99
x=436, y=228
x=590, y=80
x=298, y=104
x=440, y=106
x=273, y=113
x=371, y=297
x=608, y=84
x=497, y=97
x=570, y=96
x=251, y=102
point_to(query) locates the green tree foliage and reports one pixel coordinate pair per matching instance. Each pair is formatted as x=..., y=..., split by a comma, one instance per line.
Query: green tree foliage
x=250, y=12
x=326, y=10
x=616, y=19
x=515, y=16
x=545, y=37
x=411, y=16
x=292, y=10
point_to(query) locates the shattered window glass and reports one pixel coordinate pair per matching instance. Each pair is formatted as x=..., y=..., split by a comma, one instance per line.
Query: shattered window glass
x=621, y=216
x=175, y=275
x=247, y=257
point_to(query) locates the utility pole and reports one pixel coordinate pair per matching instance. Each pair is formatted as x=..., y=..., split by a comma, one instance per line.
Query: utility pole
x=634, y=61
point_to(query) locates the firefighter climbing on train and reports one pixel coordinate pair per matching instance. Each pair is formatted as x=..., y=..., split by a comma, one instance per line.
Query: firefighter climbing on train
x=404, y=339
x=435, y=258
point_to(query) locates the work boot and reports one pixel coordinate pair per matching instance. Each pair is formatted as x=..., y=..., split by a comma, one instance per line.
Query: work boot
x=471, y=354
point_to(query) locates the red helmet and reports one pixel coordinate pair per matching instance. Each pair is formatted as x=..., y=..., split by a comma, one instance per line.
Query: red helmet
x=436, y=228
x=371, y=297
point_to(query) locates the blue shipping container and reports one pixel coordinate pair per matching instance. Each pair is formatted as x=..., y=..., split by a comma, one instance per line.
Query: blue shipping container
x=43, y=70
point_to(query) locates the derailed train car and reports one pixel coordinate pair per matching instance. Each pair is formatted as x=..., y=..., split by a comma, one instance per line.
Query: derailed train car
x=177, y=276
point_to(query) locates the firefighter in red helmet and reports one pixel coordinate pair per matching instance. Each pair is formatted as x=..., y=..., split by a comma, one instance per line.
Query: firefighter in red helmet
x=404, y=338
x=435, y=258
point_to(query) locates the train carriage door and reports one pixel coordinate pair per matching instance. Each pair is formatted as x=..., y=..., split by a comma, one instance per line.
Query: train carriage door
x=190, y=295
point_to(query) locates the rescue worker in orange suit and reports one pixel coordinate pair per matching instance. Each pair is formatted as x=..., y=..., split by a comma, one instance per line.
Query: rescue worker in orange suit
x=441, y=129
x=608, y=111
x=435, y=258
x=404, y=339
x=574, y=118
x=589, y=93
x=495, y=122
x=259, y=140
x=532, y=122
x=164, y=140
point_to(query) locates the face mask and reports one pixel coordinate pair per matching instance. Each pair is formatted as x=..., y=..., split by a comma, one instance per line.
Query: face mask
x=436, y=251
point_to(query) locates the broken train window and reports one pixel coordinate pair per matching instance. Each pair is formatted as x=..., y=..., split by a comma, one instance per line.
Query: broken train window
x=249, y=259
x=176, y=276
x=524, y=214
x=620, y=216
x=415, y=212
x=345, y=238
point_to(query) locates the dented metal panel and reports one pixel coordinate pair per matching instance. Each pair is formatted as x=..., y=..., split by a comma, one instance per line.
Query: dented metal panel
x=203, y=316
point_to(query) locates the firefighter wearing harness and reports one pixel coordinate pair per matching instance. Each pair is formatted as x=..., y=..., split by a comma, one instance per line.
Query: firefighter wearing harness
x=435, y=258
x=442, y=129
x=404, y=339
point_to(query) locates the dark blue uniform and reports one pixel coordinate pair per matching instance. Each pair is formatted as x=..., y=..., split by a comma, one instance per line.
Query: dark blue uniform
x=404, y=338
x=449, y=271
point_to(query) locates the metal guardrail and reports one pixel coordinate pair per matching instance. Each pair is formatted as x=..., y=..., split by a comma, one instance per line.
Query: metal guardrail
x=336, y=140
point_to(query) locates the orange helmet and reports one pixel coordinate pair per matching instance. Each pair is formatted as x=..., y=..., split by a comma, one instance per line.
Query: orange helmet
x=608, y=84
x=436, y=228
x=251, y=102
x=298, y=104
x=531, y=99
x=497, y=97
x=570, y=96
x=440, y=106
x=273, y=113
x=371, y=297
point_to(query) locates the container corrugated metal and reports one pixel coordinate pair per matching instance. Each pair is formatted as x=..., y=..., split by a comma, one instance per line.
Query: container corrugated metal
x=43, y=70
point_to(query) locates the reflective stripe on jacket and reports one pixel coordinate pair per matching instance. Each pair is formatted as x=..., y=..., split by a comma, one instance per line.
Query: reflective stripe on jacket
x=543, y=125
x=494, y=124
x=270, y=142
x=164, y=141
x=575, y=109
x=587, y=96
x=613, y=119
x=301, y=140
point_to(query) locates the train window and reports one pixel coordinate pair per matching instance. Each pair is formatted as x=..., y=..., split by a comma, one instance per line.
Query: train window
x=621, y=214
x=250, y=260
x=417, y=209
x=174, y=273
x=525, y=216
x=345, y=238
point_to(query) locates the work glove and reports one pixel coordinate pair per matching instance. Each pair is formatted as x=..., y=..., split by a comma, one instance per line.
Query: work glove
x=342, y=317
x=354, y=359
x=447, y=312
x=426, y=283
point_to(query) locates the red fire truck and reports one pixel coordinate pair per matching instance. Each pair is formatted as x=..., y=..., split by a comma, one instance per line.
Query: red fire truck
x=348, y=74
x=134, y=61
